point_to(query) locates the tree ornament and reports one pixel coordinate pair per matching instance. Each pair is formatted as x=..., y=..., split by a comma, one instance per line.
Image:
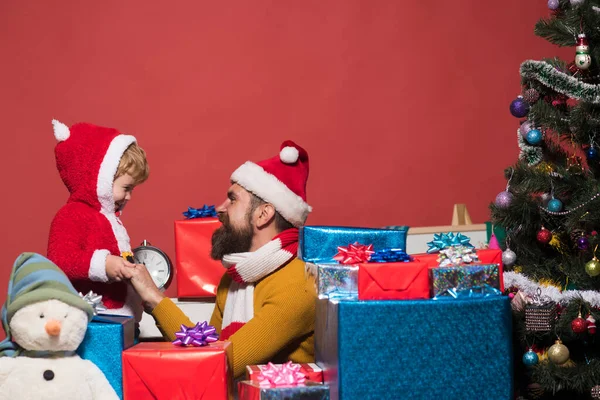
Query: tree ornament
x=553, y=5
x=583, y=60
x=595, y=392
x=540, y=314
x=493, y=243
x=525, y=127
x=555, y=205
x=519, y=108
x=591, y=324
x=583, y=243
x=544, y=236
x=504, y=199
x=592, y=267
x=531, y=95
x=530, y=358
x=591, y=154
x=509, y=257
x=578, y=325
x=534, y=137
x=558, y=353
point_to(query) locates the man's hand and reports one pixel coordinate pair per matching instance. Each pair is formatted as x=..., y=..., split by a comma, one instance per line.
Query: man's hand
x=118, y=269
x=144, y=285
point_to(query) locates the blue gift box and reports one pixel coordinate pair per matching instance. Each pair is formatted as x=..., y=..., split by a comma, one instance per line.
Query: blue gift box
x=318, y=244
x=417, y=349
x=105, y=339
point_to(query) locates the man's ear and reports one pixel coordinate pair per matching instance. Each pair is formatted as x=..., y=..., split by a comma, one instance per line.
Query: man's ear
x=266, y=213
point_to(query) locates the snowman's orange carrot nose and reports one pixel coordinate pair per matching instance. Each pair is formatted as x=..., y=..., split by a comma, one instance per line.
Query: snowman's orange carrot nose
x=53, y=327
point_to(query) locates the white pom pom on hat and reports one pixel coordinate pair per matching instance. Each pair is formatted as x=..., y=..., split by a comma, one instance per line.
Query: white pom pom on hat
x=61, y=131
x=289, y=155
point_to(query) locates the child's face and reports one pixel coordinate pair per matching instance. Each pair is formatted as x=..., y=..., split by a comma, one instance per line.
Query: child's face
x=122, y=189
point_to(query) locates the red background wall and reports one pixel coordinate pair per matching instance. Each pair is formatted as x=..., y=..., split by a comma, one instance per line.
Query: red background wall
x=403, y=106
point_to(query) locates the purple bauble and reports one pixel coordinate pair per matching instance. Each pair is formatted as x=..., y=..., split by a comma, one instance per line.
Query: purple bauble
x=519, y=107
x=553, y=4
x=503, y=199
x=583, y=243
x=525, y=127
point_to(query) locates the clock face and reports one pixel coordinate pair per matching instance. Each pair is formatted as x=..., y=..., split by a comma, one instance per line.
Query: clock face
x=157, y=264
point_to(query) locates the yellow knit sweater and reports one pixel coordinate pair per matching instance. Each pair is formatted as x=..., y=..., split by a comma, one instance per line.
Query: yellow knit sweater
x=283, y=325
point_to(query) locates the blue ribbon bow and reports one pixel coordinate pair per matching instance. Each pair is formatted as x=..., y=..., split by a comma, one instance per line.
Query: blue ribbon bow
x=390, y=256
x=445, y=240
x=204, y=212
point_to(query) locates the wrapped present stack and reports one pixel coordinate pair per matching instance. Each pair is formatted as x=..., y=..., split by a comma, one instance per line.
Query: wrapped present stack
x=197, y=274
x=423, y=326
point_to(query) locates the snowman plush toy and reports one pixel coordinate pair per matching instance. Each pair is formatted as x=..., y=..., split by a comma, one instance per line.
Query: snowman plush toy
x=45, y=320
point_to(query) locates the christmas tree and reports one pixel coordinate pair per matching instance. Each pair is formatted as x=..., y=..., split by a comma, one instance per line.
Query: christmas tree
x=550, y=212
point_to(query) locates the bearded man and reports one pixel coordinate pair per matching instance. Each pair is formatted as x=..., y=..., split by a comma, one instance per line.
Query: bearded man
x=265, y=303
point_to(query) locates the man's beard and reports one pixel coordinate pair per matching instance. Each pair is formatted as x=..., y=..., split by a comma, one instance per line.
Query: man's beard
x=227, y=239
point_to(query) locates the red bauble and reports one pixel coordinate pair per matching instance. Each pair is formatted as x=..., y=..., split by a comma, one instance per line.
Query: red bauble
x=544, y=236
x=591, y=324
x=579, y=325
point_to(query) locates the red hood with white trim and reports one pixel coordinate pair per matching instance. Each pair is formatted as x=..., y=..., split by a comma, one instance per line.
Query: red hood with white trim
x=87, y=158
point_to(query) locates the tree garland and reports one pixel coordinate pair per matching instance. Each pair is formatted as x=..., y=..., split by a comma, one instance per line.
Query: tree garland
x=559, y=81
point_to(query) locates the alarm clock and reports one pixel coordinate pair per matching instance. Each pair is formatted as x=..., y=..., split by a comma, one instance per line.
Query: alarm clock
x=156, y=261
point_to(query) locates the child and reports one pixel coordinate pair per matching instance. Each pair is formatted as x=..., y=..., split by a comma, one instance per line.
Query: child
x=100, y=167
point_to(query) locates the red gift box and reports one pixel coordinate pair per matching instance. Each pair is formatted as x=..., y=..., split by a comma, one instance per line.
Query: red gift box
x=198, y=275
x=486, y=256
x=393, y=281
x=163, y=371
x=312, y=372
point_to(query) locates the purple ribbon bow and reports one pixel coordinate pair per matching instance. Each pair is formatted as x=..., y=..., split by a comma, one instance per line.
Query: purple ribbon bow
x=200, y=335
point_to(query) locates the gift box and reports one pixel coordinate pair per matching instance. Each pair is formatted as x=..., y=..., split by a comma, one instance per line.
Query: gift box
x=393, y=281
x=162, y=371
x=311, y=371
x=198, y=275
x=248, y=390
x=419, y=349
x=318, y=244
x=334, y=280
x=486, y=256
x=465, y=281
x=105, y=339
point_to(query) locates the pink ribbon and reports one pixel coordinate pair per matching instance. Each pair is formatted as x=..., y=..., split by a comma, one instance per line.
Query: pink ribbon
x=287, y=374
x=354, y=254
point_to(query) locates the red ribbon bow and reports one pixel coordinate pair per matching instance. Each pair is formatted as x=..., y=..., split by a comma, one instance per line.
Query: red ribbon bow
x=354, y=254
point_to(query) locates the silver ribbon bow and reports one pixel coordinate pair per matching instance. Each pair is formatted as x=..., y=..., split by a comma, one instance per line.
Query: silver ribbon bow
x=457, y=255
x=94, y=300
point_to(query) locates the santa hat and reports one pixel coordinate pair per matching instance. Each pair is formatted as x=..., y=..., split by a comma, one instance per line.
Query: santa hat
x=280, y=180
x=87, y=158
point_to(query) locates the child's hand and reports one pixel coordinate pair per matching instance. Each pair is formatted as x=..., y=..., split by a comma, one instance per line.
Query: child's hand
x=118, y=269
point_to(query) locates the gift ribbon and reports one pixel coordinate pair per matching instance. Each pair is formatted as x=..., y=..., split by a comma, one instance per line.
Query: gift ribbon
x=200, y=335
x=354, y=254
x=456, y=256
x=94, y=300
x=389, y=256
x=280, y=375
x=204, y=212
x=445, y=240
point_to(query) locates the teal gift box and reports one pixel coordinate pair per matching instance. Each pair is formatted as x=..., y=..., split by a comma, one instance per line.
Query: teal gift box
x=318, y=244
x=415, y=349
x=106, y=338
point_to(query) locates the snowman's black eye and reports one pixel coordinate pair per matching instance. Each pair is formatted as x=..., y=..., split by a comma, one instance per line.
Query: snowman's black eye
x=41, y=315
